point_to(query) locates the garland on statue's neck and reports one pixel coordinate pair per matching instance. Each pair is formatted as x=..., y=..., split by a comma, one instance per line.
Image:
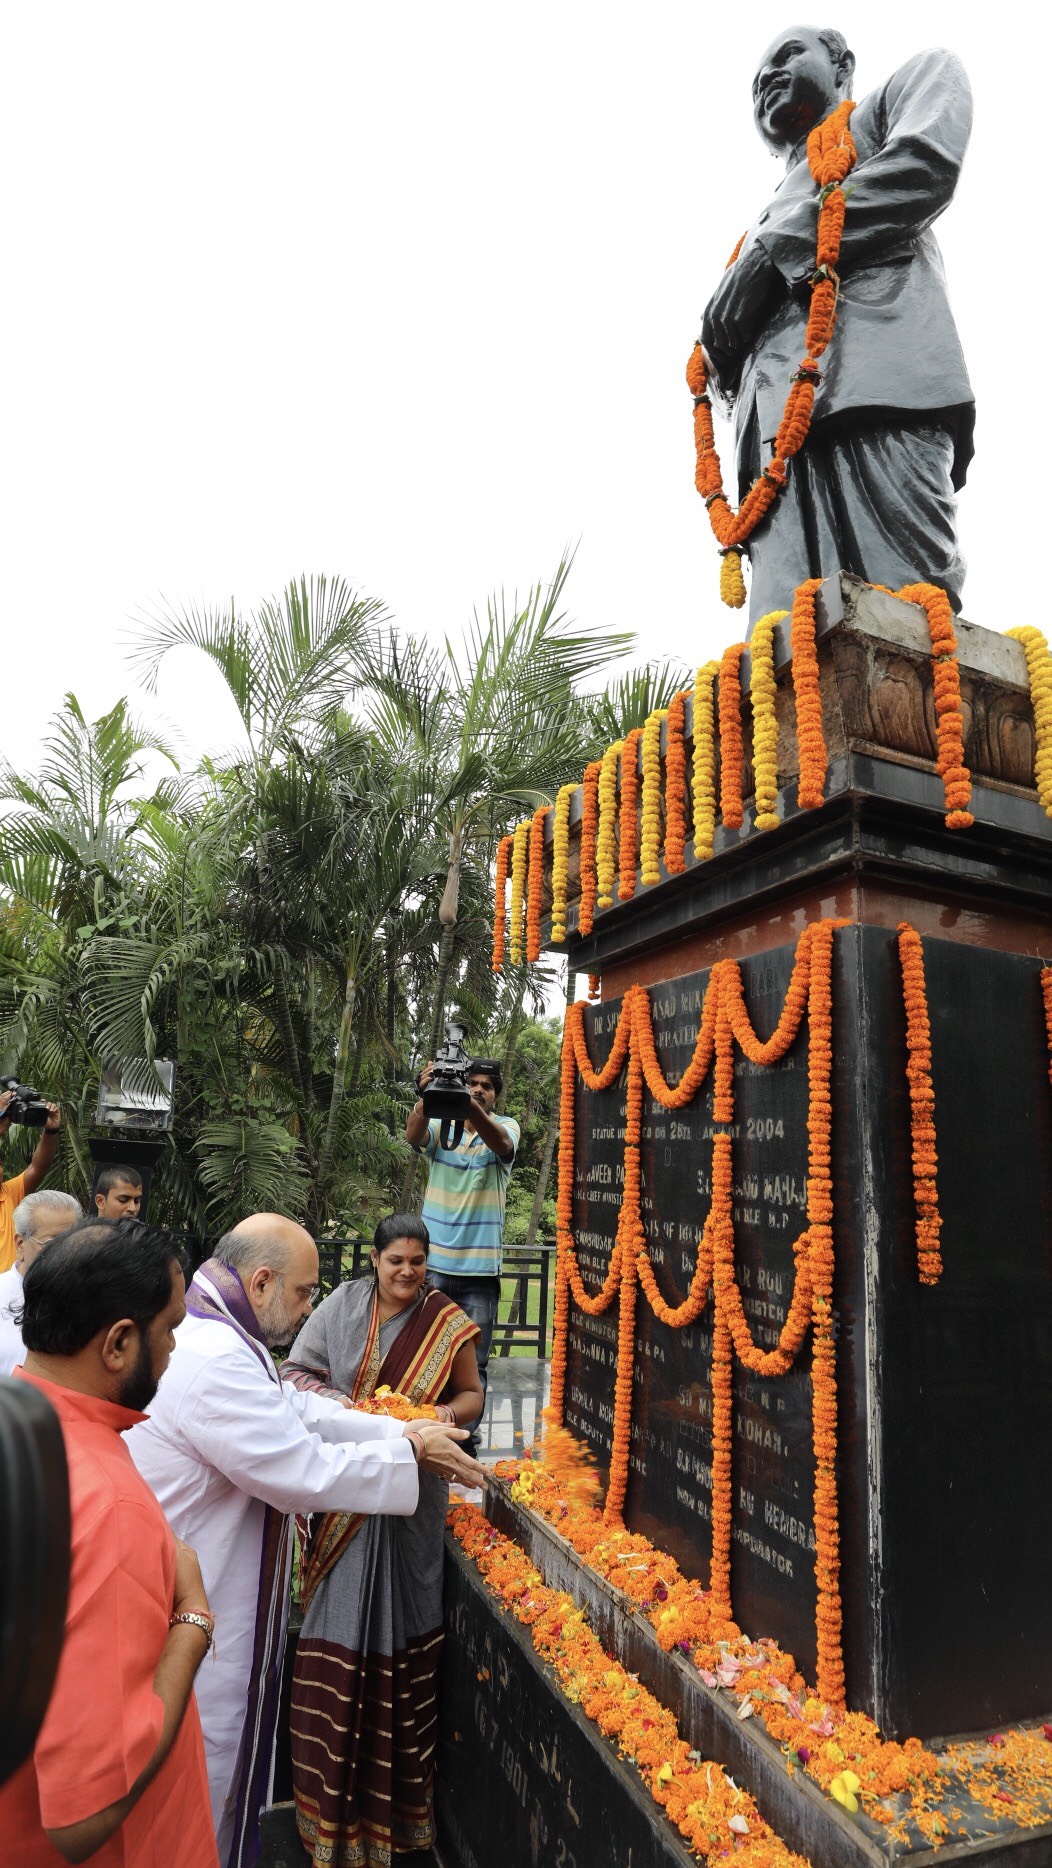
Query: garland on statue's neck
x=831, y=155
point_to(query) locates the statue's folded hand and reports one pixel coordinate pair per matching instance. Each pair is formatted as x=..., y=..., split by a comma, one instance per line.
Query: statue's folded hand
x=739, y=308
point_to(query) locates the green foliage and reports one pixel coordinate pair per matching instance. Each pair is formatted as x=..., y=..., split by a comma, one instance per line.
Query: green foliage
x=290, y=923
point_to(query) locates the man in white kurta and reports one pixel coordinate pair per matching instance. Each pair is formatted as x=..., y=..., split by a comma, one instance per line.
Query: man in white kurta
x=231, y=1452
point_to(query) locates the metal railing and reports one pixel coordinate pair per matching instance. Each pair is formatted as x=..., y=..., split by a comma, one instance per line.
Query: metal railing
x=524, y=1314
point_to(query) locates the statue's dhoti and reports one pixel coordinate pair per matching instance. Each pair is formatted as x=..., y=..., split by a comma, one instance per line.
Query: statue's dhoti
x=875, y=498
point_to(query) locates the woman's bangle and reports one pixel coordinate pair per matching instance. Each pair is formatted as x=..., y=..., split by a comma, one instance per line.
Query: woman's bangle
x=206, y=1623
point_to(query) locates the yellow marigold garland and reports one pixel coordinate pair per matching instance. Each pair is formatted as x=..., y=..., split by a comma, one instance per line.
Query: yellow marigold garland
x=762, y=691
x=703, y=765
x=606, y=843
x=1039, y=672
x=650, y=839
x=519, y=858
x=628, y=838
x=500, y=889
x=922, y=1105
x=561, y=860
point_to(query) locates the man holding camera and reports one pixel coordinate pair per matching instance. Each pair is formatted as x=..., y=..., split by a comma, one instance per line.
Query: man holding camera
x=464, y=1205
x=13, y=1191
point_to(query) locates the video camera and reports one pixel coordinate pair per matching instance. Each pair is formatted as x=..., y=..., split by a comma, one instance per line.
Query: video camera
x=446, y=1092
x=26, y=1106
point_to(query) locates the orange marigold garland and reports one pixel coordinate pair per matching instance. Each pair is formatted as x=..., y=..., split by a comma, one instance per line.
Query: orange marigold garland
x=629, y=829
x=519, y=857
x=922, y=1105
x=561, y=860
x=810, y=734
x=563, y=1213
x=535, y=884
x=724, y=1021
x=650, y=837
x=956, y=779
x=500, y=889
x=1046, y=994
x=676, y=786
x=828, y=1614
x=831, y=155
x=703, y=766
x=631, y=1238
x=731, y=753
x=589, y=826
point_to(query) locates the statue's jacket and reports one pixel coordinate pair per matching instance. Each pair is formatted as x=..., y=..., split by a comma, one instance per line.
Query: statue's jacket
x=895, y=348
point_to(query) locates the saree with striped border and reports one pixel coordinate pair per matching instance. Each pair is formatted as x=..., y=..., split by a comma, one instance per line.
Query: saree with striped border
x=364, y=1707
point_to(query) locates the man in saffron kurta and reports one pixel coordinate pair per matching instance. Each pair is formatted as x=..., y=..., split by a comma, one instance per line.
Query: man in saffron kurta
x=119, y=1762
x=872, y=490
x=231, y=1453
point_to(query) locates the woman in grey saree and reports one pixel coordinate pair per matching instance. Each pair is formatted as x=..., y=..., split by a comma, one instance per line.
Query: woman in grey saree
x=364, y=1711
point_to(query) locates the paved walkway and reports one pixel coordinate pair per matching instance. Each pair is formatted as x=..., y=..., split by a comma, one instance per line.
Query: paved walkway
x=517, y=1391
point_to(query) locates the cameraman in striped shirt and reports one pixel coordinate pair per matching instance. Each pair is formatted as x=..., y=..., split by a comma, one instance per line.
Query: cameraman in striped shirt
x=464, y=1205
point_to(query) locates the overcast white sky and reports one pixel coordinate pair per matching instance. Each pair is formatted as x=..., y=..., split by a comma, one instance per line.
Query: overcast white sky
x=405, y=292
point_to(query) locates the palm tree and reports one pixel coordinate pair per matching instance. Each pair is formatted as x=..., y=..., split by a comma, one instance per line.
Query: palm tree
x=500, y=720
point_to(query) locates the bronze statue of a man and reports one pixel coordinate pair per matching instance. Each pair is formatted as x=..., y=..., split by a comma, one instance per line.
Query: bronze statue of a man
x=872, y=490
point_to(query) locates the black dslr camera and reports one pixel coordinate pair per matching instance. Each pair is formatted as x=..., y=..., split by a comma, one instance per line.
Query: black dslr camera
x=446, y=1093
x=26, y=1106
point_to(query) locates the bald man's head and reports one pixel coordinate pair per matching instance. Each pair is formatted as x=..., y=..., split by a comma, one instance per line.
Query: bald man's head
x=276, y=1261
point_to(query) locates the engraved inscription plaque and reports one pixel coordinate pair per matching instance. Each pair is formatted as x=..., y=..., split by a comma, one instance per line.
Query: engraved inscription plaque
x=669, y=1494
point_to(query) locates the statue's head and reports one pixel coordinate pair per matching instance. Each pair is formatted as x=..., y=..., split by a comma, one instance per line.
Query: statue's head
x=802, y=76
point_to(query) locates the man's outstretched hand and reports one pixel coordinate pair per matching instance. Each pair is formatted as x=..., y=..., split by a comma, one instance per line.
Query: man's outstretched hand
x=442, y=1454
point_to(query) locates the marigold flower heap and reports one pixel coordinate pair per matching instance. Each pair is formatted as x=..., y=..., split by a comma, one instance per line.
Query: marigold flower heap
x=707, y=1807
x=830, y=155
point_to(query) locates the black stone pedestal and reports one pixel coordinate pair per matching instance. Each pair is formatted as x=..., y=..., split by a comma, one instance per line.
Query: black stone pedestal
x=944, y=1392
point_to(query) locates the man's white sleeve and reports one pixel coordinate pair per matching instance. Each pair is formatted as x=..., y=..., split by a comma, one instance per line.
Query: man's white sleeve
x=331, y=1421
x=250, y=1433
